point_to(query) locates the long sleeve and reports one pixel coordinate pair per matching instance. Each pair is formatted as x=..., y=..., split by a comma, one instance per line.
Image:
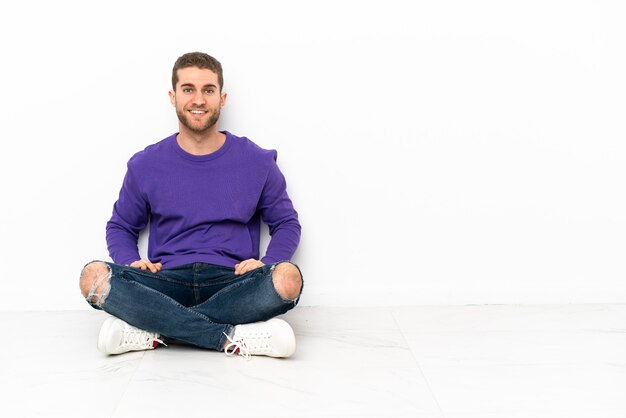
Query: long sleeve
x=278, y=213
x=129, y=218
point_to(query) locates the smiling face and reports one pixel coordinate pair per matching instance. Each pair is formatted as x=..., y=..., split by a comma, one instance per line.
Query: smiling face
x=197, y=99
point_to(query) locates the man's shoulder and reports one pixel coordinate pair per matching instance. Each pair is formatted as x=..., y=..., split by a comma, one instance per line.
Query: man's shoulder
x=246, y=147
x=152, y=153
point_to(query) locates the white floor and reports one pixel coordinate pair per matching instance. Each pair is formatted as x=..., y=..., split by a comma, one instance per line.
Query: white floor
x=469, y=361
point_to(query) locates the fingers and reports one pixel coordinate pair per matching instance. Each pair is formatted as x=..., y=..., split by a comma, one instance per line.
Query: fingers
x=241, y=268
x=248, y=265
x=145, y=264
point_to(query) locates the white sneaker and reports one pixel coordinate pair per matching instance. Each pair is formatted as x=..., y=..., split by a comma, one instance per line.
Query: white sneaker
x=117, y=337
x=273, y=338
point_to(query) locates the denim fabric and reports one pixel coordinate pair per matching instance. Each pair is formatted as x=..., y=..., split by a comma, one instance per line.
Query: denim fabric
x=196, y=303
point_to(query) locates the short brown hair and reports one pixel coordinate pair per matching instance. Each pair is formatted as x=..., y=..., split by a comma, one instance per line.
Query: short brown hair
x=200, y=60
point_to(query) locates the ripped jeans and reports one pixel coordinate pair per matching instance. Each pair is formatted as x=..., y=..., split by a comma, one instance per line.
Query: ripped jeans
x=198, y=303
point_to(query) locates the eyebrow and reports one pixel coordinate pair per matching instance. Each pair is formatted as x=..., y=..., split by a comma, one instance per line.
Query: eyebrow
x=191, y=85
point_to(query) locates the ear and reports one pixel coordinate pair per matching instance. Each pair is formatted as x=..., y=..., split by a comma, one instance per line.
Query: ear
x=223, y=99
x=172, y=97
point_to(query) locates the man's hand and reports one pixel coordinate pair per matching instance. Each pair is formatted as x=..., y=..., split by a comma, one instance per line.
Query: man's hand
x=145, y=264
x=248, y=265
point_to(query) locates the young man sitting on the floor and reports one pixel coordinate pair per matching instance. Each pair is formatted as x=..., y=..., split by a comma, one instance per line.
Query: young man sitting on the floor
x=204, y=193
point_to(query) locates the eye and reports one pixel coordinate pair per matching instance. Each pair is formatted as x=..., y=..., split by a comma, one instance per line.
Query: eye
x=209, y=91
x=186, y=90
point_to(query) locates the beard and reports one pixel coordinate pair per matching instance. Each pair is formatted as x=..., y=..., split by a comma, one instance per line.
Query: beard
x=186, y=120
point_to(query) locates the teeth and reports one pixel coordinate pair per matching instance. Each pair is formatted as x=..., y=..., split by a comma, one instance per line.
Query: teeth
x=197, y=111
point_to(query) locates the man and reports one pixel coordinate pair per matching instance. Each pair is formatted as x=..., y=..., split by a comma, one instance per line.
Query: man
x=204, y=193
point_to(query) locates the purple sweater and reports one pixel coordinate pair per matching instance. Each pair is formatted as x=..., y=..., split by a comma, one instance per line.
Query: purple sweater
x=204, y=208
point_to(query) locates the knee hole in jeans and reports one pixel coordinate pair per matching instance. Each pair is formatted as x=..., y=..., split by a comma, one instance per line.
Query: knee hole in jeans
x=95, y=282
x=287, y=281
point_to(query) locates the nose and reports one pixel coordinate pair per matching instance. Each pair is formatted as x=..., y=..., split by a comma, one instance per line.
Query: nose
x=198, y=98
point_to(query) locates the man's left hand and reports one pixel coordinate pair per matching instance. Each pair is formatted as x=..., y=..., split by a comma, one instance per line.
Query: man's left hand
x=248, y=265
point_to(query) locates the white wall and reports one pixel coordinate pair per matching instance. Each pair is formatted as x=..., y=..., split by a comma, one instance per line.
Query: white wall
x=445, y=152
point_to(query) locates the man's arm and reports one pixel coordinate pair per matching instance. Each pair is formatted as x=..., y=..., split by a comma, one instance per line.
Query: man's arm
x=129, y=218
x=278, y=213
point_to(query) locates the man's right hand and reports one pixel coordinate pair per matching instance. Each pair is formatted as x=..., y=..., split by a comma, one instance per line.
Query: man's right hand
x=145, y=264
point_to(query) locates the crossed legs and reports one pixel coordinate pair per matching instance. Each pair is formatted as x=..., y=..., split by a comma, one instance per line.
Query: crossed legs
x=129, y=294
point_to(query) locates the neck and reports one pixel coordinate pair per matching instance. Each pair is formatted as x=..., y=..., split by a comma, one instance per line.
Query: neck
x=200, y=143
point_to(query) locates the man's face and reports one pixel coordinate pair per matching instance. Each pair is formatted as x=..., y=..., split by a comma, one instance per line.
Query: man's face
x=197, y=99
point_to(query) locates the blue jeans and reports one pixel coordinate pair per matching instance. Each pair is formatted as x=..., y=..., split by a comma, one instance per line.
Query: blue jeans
x=196, y=303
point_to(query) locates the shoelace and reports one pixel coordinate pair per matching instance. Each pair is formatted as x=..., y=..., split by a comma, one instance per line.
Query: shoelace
x=237, y=346
x=138, y=338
